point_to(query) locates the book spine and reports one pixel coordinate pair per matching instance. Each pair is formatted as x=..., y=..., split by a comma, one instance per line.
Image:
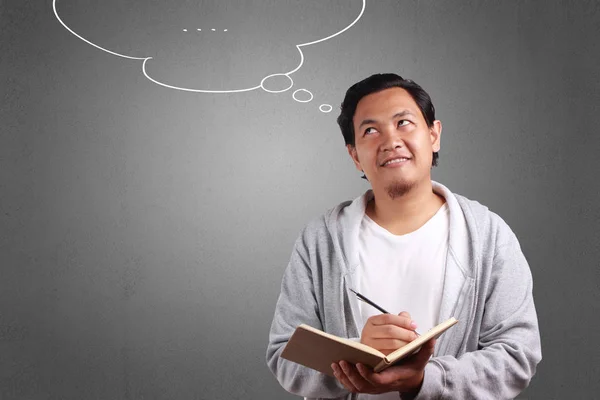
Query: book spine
x=383, y=364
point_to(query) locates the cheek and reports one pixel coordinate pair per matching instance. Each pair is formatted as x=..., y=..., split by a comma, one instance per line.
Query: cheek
x=365, y=157
x=422, y=145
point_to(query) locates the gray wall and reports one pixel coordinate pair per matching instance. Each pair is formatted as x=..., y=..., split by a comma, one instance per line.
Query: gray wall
x=144, y=230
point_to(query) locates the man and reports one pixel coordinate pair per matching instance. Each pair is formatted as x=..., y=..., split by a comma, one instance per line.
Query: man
x=415, y=248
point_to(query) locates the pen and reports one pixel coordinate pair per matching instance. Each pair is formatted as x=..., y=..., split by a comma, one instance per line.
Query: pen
x=371, y=303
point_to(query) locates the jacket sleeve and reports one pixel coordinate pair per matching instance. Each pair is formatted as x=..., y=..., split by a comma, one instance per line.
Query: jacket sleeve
x=508, y=347
x=297, y=304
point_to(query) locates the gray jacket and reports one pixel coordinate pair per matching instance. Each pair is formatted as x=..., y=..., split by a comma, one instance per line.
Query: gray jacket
x=492, y=352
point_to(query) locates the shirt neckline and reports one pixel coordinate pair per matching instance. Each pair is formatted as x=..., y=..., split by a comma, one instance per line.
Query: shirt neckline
x=381, y=229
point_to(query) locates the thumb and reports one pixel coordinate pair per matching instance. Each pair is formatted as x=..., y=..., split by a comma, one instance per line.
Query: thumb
x=422, y=357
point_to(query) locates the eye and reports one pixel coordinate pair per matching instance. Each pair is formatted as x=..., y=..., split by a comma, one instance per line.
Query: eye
x=403, y=122
x=370, y=130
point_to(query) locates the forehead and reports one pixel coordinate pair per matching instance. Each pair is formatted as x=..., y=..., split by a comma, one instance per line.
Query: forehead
x=384, y=104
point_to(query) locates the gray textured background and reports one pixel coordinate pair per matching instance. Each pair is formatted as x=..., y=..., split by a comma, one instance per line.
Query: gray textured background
x=144, y=231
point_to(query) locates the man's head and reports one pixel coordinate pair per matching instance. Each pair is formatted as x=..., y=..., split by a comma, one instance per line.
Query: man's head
x=387, y=117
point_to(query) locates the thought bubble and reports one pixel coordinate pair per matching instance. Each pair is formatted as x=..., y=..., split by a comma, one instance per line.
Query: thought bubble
x=212, y=46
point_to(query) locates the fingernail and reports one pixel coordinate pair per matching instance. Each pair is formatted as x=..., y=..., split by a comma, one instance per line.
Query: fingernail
x=413, y=325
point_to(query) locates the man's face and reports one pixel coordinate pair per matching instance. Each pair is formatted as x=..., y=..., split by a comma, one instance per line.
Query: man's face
x=393, y=144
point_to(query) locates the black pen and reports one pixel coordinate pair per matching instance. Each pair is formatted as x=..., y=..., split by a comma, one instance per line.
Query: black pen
x=371, y=303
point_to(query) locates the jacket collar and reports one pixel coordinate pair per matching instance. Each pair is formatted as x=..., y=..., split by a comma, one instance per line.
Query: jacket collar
x=344, y=223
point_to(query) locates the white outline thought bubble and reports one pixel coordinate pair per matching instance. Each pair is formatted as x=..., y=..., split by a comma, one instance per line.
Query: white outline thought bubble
x=286, y=74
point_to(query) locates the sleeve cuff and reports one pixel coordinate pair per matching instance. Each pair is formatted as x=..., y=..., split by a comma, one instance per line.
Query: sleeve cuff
x=434, y=382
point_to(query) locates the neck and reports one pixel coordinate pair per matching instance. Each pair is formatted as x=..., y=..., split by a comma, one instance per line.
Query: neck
x=406, y=213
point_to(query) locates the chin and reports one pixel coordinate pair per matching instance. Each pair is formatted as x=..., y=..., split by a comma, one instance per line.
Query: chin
x=399, y=188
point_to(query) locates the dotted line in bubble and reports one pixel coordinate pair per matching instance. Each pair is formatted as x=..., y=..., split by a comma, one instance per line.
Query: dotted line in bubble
x=200, y=30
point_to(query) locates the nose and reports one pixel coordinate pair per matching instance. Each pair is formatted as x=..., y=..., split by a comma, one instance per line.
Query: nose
x=392, y=139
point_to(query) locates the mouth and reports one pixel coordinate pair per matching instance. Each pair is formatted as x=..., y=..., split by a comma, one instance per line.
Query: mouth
x=395, y=161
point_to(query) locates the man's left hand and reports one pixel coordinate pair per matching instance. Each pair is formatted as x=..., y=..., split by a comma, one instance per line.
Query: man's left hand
x=405, y=378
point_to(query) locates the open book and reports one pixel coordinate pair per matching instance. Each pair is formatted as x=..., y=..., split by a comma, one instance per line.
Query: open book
x=316, y=349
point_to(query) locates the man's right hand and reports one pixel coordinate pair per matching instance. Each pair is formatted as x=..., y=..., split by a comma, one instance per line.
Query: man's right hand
x=388, y=332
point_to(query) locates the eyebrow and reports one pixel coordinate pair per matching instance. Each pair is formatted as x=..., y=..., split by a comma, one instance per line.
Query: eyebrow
x=402, y=113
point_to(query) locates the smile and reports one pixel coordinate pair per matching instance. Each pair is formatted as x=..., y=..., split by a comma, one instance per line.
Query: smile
x=395, y=161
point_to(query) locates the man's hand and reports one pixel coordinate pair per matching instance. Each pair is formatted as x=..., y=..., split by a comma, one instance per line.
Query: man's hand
x=388, y=332
x=405, y=378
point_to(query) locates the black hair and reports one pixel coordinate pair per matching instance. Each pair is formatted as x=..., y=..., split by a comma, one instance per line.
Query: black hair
x=376, y=83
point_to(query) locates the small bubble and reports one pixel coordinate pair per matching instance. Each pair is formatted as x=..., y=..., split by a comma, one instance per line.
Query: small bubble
x=185, y=30
x=304, y=93
x=224, y=30
x=199, y=29
x=325, y=108
x=213, y=29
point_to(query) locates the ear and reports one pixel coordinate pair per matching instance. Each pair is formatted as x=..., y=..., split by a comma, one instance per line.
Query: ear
x=435, y=132
x=354, y=155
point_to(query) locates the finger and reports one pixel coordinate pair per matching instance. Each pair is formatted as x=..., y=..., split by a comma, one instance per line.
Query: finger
x=420, y=359
x=342, y=378
x=393, y=332
x=391, y=319
x=390, y=344
x=366, y=373
x=413, y=324
x=384, y=378
x=406, y=369
x=361, y=384
x=430, y=344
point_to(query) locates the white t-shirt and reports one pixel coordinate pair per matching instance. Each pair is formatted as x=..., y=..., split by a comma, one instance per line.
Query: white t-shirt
x=403, y=272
